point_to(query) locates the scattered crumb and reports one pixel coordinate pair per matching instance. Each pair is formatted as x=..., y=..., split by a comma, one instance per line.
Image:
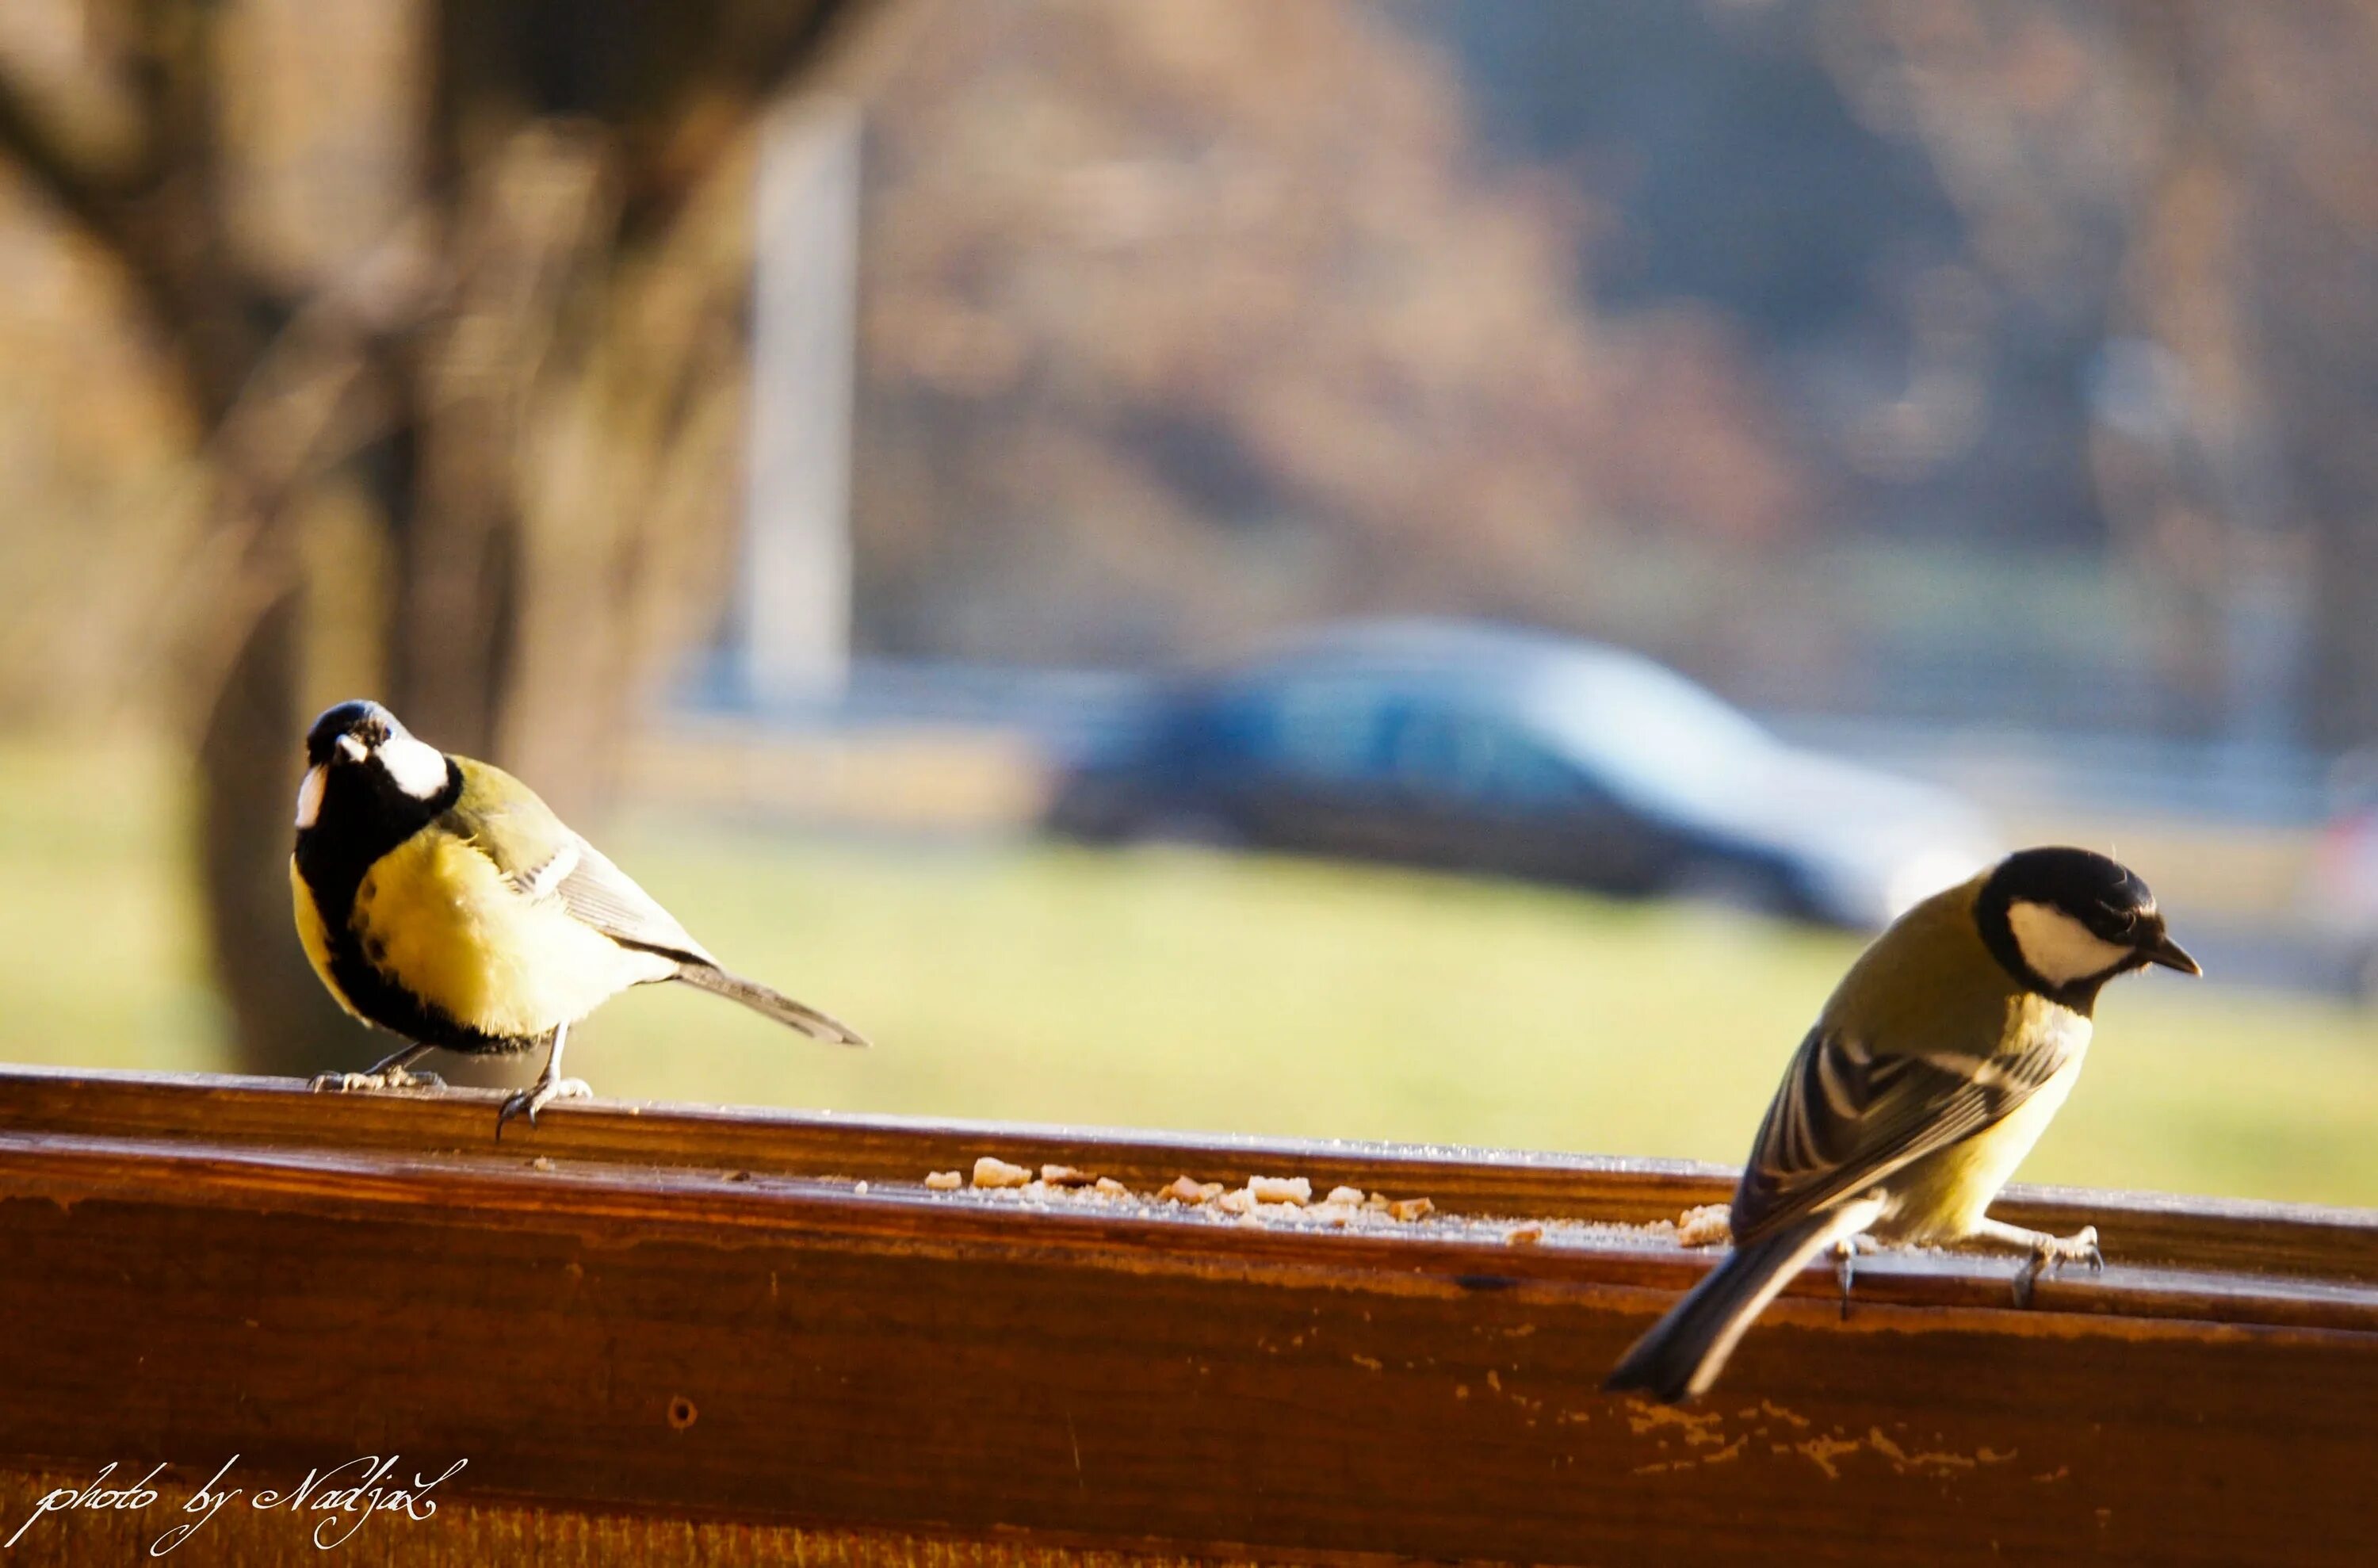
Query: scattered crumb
x=858, y=1188
x=739, y=1176
x=1183, y=1190
x=1704, y=1226
x=991, y=1171
x=1280, y=1189
x=540, y=1163
x=1283, y=1203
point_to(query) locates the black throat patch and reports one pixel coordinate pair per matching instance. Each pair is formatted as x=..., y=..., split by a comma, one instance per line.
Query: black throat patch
x=363, y=817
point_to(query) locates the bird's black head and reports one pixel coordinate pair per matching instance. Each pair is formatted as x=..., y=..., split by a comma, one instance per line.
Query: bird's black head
x=2064, y=921
x=367, y=721
x=369, y=782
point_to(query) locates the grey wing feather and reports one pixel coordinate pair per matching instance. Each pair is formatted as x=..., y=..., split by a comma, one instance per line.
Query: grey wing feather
x=602, y=895
x=1847, y=1117
x=608, y=898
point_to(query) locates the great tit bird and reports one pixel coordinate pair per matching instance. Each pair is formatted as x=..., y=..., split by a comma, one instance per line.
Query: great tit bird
x=1935, y=1066
x=440, y=899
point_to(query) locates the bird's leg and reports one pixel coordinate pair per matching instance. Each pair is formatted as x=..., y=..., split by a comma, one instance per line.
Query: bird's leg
x=1846, y=1253
x=2047, y=1251
x=550, y=1086
x=388, y=1073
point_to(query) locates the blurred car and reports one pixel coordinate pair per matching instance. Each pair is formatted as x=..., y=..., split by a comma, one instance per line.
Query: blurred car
x=1482, y=748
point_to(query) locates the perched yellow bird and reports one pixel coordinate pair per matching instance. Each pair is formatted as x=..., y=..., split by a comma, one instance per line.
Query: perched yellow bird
x=440, y=899
x=1934, y=1067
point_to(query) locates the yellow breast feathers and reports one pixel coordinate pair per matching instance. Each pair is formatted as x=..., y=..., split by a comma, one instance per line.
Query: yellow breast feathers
x=1944, y=1196
x=436, y=916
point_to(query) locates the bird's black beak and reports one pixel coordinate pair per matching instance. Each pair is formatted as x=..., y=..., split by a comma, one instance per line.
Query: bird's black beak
x=2172, y=955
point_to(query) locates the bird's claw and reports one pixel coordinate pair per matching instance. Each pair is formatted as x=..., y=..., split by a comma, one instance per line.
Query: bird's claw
x=372, y=1082
x=2054, y=1251
x=1846, y=1253
x=544, y=1092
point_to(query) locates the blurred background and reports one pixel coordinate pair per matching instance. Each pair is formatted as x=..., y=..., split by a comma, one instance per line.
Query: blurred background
x=1362, y=568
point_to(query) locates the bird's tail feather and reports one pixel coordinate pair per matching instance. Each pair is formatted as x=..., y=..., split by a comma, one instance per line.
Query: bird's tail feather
x=1685, y=1351
x=770, y=1001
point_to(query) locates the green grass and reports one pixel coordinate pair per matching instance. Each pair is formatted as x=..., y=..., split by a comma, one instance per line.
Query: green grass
x=100, y=957
x=1179, y=989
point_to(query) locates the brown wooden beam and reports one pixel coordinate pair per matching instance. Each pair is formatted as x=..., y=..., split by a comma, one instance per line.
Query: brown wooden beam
x=700, y=1315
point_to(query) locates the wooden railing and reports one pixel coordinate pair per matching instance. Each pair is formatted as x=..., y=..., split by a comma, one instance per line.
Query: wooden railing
x=680, y=1335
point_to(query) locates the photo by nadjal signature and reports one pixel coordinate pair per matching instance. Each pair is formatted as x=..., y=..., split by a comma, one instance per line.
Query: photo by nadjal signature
x=348, y=1507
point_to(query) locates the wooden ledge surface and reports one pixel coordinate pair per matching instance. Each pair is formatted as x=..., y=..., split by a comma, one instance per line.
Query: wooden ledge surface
x=765, y=1316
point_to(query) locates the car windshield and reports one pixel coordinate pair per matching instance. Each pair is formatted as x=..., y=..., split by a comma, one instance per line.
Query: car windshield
x=1649, y=731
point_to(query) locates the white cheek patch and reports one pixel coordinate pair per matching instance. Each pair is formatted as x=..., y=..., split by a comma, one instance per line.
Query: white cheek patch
x=418, y=770
x=2058, y=948
x=309, y=795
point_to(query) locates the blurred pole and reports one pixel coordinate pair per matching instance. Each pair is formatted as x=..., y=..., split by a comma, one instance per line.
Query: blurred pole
x=793, y=599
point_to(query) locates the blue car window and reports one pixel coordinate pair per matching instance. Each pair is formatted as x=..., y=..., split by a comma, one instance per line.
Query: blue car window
x=1478, y=761
x=1334, y=731
x=1650, y=735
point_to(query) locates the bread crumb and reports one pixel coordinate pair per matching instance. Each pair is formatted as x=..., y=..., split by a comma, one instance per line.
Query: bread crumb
x=942, y=1181
x=1183, y=1190
x=1349, y=1195
x=1703, y=1226
x=1240, y=1201
x=1410, y=1208
x=1280, y=1189
x=858, y=1188
x=1375, y=1201
x=540, y=1163
x=1065, y=1175
x=1525, y=1235
x=991, y=1171
x=1110, y=1188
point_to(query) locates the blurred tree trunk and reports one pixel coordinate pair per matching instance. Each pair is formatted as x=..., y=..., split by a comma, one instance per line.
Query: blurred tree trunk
x=560, y=145
x=283, y=1015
